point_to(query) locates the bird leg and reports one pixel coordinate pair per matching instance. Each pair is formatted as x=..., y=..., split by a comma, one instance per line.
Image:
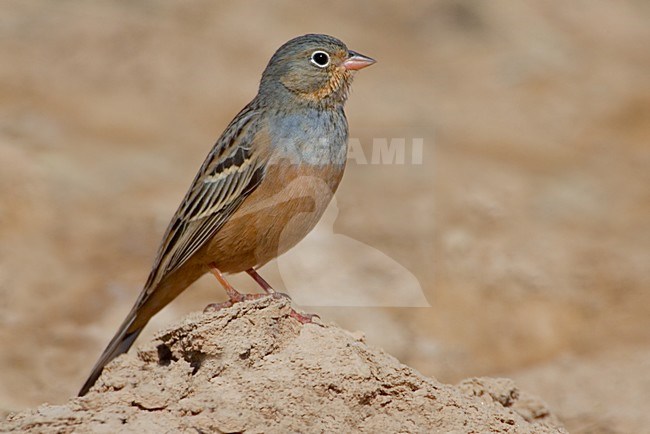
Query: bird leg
x=261, y=282
x=234, y=296
x=303, y=318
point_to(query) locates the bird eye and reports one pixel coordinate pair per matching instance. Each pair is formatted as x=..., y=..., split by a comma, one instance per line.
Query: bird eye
x=320, y=59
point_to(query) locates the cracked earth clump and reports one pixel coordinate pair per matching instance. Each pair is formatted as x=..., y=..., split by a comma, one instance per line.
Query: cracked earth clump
x=253, y=368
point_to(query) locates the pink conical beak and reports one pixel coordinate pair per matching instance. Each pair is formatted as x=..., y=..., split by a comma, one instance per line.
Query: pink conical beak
x=357, y=61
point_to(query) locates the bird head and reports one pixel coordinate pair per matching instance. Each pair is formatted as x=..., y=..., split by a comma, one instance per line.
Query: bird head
x=314, y=69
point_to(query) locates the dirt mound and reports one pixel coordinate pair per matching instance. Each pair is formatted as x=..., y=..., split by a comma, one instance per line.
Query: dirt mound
x=253, y=368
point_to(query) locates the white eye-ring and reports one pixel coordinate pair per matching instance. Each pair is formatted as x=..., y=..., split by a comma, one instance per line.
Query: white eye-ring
x=320, y=58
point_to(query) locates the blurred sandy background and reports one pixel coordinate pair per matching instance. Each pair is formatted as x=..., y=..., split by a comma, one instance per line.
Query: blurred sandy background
x=527, y=225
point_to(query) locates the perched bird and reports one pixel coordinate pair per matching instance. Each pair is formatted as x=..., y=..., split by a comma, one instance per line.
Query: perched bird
x=263, y=186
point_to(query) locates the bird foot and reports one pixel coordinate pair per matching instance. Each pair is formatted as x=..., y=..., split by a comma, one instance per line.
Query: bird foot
x=235, y=297
x=302, y=318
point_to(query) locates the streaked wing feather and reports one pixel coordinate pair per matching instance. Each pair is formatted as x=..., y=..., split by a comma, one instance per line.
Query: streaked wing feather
x=200, y=228
x=229, y=174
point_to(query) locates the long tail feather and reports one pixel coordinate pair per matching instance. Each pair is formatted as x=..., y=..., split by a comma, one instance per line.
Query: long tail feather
x=120, y=344
x=150, y=301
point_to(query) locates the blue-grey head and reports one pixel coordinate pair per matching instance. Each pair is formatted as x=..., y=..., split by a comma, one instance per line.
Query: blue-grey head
x=312, y=69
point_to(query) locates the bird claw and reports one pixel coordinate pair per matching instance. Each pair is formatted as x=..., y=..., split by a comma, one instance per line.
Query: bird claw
x=281, y=296
x=304, y=318
x=214, y=307
x=235, y=298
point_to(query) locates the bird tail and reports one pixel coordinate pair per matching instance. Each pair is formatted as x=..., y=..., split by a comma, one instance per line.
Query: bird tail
x=151, y=300
x=120, y=344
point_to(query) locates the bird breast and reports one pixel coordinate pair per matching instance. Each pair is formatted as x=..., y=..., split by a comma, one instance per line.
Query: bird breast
x=311, y=136
x=306, y=164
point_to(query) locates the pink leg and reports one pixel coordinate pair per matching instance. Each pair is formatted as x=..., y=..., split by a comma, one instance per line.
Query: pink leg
x=233, y=295
x=260, y=281
x=303, y=318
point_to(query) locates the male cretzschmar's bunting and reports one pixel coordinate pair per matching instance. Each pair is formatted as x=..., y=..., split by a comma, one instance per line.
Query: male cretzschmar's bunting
x=263, y=186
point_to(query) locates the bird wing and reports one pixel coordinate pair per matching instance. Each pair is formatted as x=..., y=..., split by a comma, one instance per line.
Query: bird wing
x=229, y=174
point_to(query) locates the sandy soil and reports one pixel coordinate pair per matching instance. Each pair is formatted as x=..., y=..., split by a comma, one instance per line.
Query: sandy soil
x=253, y=368
x=526, y=228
